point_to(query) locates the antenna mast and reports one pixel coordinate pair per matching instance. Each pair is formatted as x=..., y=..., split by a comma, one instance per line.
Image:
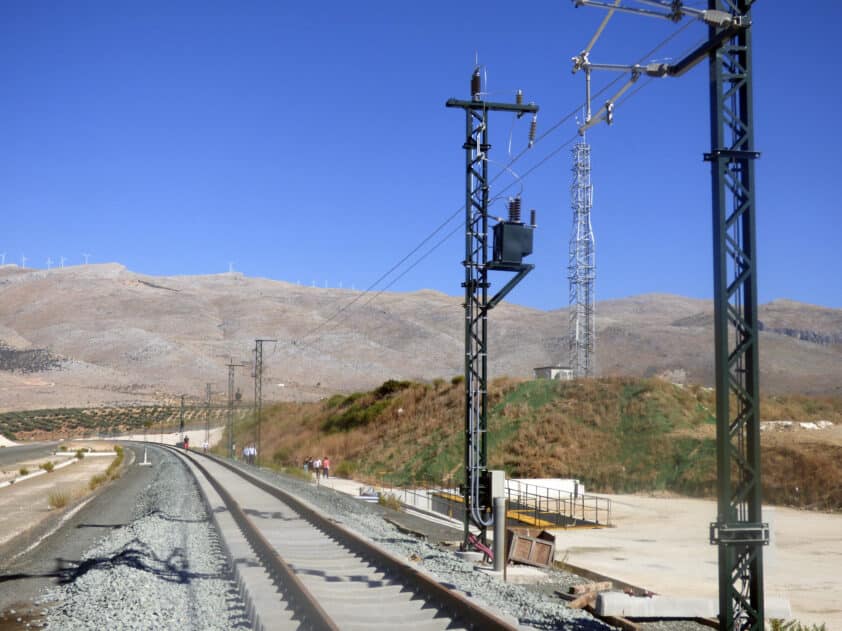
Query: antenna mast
x=581, y=267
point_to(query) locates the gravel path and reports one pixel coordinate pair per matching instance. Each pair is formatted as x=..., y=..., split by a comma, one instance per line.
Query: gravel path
x=164, y=570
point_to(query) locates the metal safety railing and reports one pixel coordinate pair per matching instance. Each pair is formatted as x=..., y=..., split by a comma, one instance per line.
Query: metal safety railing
x=529, y=504
x=546, y=507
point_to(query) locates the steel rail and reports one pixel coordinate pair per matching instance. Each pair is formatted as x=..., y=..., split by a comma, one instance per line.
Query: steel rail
x=458, y=606
x=299, y=597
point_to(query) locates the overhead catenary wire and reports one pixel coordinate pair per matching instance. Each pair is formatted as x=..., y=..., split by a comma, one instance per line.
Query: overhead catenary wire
x=504, y=169
x=438, y=244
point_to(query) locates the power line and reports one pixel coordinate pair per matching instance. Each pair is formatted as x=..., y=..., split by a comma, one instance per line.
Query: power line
x=506, y=168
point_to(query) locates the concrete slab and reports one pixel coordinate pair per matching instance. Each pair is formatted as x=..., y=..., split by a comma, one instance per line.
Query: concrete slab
x=661, y=543
x=620, y=604
x=517, y=574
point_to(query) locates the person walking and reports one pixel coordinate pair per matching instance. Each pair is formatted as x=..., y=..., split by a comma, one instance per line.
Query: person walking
x=326, y=467
x=317, y=467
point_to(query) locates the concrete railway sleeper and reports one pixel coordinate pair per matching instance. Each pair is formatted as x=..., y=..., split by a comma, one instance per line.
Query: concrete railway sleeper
x=298, y=569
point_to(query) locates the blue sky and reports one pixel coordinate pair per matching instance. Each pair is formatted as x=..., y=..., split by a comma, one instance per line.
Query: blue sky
x=309, y=142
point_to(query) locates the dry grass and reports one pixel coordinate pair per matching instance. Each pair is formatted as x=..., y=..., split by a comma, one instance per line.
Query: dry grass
x=97, y=480
x=113, y=471
x=614, y=434
x=58, y=499
x=389, y=501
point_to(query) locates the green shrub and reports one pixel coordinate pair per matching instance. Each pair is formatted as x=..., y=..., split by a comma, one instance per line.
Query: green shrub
x=80, y=454
x=355, y=416
x=48, y=466
x=63, y=448
x=281, y=456
x=345, y=469
x=335, y=401
x=390, y=387
x=457, y=380
x=23, y=471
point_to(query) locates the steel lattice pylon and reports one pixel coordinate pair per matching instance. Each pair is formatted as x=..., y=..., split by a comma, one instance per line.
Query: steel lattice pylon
x=581, y=269
x=738, y=531
x=478, y=302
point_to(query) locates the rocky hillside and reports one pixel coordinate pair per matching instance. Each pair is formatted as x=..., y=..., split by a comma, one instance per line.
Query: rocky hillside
x=101, y=334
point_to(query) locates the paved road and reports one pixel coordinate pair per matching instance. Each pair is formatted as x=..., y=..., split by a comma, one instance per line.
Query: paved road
x=28, y=451
x=21, y=581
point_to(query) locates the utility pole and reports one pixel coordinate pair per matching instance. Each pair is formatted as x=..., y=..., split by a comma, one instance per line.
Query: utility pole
x=207, y=412
x=181, y=417
x=512, y=241
x=258, y=388
x=231, y=367
x=739, y=531
x=86, y=256
x=49, y=262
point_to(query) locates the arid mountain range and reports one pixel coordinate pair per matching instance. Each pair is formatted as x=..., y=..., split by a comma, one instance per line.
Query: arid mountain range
x=101, y=334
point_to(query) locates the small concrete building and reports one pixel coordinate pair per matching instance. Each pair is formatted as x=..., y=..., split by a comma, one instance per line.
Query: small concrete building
x=562, y=373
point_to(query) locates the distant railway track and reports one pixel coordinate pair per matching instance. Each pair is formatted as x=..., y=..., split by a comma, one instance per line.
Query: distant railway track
x=299, y=569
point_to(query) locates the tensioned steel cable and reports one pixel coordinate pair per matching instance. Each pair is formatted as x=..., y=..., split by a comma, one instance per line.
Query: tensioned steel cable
x=506, y=168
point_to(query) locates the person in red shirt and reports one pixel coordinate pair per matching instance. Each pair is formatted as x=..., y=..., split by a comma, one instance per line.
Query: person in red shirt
x=326, y=466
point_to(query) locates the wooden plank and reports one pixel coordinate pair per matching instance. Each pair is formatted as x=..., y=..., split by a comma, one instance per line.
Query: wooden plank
x=588, y=598
x=592, y=587
x=615, y=621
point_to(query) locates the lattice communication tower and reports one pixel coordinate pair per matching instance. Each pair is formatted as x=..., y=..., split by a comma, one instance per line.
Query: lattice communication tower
x=581, y=269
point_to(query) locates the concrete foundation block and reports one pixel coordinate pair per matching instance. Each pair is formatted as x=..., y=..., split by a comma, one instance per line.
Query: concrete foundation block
x=620, y=604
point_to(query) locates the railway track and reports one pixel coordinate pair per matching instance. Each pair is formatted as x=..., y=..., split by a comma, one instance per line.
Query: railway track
x=299, y=569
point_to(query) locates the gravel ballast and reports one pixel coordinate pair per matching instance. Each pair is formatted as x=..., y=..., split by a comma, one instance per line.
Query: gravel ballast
x=166, y=568
x=534, y=606
x=163, y=570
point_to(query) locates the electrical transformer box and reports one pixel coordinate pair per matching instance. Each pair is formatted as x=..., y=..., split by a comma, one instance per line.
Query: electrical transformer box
x=512, y=242
x=492, y=483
